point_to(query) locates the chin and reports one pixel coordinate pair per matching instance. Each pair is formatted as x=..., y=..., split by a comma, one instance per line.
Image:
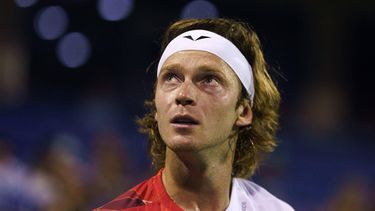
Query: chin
x=182, y=144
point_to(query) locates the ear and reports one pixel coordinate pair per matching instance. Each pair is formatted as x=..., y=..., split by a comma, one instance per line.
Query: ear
x=245, y=114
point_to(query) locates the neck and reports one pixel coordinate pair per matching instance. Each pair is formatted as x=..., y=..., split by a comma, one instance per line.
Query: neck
x=199, y=180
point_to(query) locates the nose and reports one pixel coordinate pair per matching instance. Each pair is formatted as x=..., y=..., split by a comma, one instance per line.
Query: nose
x=186, y=94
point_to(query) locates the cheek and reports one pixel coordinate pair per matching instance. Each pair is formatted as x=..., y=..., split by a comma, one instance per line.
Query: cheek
x=157, y=101
x=162, y=100
x=221, y=110
x=159, y=111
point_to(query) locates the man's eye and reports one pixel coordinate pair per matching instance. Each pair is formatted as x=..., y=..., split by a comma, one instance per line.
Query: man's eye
x=210, y=80
x=170, y=77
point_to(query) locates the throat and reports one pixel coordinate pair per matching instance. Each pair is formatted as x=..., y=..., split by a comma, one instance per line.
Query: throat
x=199, y=169
x=193, y=183
x=196, y=191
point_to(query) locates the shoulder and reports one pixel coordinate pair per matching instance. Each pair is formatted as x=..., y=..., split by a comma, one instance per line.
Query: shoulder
x=260, y=198
x=139, y=195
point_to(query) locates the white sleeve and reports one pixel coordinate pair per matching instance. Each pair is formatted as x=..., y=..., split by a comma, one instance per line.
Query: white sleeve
x=248, y=196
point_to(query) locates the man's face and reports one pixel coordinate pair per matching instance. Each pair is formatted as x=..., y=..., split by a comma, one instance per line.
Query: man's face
x=196, y=96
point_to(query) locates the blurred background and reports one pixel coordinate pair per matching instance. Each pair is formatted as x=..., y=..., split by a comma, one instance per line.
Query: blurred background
x=74, y=75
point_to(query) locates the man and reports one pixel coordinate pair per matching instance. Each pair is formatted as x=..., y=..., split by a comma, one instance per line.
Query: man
x=213, y=117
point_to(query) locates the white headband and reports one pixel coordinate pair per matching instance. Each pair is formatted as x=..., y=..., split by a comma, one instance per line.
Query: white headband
x=203, y=40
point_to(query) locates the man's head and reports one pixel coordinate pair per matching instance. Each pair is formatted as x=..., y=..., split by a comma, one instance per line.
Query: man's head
x=199, y=97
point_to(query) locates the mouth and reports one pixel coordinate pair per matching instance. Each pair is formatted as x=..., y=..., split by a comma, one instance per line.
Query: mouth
x=184, y=120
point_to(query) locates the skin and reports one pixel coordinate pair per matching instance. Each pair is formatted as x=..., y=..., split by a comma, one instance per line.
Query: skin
x=199, y=85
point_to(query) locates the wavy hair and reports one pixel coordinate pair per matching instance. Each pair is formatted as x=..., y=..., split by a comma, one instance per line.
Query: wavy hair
x=255, y=140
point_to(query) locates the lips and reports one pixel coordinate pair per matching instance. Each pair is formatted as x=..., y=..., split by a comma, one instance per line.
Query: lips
x=184, y=120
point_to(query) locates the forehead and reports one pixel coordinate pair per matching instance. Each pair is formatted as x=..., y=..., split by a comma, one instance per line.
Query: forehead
x=196, y=59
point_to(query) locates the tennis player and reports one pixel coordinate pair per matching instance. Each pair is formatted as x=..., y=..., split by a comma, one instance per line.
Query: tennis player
x=213, y=117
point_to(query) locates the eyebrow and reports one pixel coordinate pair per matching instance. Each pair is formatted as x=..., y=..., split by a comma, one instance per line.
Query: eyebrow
x=202, y=68
x=171, y=67
x=207, y=68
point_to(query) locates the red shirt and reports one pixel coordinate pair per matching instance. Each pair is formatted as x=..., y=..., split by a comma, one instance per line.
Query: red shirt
x=150, y=195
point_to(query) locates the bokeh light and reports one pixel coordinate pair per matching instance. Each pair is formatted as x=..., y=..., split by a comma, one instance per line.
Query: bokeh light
x=199, y=9
x=73, y=50
x=51, y=22
x=25, y=3
x=114, y=10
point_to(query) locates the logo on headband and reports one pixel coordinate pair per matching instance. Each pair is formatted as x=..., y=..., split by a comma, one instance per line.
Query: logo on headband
x=199, y=38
